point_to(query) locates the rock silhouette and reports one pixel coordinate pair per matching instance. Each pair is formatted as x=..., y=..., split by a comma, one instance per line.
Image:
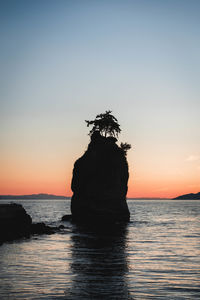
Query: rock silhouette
x=15, y=223
x=190, y=196
x=99, y=182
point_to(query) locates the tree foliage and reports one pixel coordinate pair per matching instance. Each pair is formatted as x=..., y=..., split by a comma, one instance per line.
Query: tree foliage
x=106, y=124
x=125, y=147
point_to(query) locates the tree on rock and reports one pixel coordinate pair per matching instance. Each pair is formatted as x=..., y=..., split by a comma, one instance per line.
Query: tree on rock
x=106, y=124
x=125, y=147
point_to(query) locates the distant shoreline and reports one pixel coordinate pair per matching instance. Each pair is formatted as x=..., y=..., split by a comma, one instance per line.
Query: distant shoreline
x=55, y=197
x=34, y=197
x=43, y=196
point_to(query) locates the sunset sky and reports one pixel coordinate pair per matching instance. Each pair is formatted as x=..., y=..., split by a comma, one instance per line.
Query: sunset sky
x=62, y=62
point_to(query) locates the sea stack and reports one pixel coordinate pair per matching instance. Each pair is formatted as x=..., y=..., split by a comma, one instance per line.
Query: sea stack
x=100, y=179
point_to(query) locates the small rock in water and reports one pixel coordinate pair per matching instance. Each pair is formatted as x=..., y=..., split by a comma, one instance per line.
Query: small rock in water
x=67, y=218
x=41, y=228
x=16, y=223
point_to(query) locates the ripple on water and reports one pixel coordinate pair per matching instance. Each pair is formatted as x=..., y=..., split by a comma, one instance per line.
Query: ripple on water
x=156, y=257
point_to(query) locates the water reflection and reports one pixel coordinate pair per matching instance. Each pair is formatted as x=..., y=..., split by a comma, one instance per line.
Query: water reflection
x=99, y=264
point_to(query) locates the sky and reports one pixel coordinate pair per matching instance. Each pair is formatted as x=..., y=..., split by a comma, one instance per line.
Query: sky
x=63, y=62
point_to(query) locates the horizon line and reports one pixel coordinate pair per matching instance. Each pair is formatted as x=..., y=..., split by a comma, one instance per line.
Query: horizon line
x=64, y=196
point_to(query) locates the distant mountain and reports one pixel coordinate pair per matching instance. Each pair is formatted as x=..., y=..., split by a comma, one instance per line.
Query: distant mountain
x=189, y=196
x=32, y=196
x=55, y=197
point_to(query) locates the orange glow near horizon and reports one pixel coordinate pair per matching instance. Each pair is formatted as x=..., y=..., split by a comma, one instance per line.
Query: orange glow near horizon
x=61, y=190
x=149, y=177
x=61, y=186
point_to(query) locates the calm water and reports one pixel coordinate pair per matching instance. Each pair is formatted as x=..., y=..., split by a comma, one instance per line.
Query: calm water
x=157, y=256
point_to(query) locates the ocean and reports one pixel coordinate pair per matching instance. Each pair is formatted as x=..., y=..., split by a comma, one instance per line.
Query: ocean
x=156, y=256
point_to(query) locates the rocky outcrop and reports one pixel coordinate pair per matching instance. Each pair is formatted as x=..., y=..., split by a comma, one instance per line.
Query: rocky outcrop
x=16, y=223
x=99, y=183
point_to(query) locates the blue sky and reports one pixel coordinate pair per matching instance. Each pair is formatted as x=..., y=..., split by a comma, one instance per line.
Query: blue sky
x=65, y=61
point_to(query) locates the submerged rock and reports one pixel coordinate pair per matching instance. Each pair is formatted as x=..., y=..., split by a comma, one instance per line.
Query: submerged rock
x=41, y=228
x=16, y=223
x=67, y=218
x=99, y=183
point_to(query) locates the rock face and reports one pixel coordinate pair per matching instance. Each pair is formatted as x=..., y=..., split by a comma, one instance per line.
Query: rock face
x=99, y=183
x=16, y=223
